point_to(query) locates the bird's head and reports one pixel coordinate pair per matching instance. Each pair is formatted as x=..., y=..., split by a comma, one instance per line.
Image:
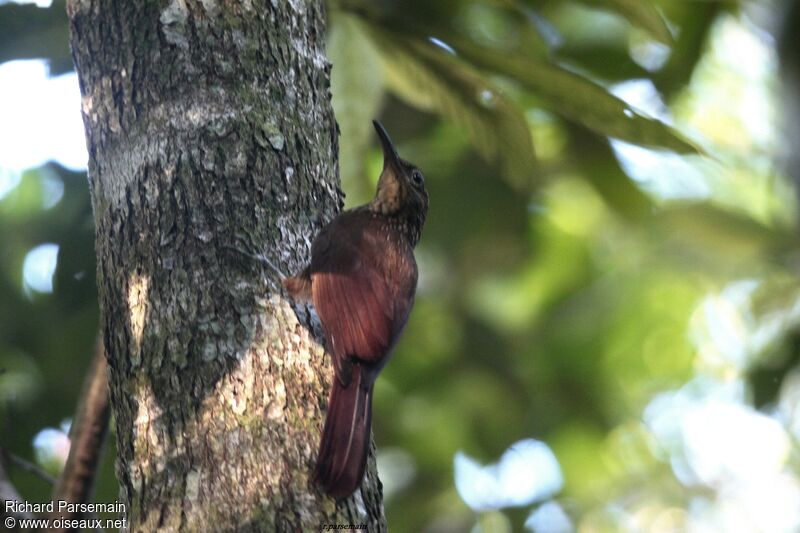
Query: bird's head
x=401, y=187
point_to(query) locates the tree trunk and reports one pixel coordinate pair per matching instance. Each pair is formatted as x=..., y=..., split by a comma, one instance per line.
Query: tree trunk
x=209, y=125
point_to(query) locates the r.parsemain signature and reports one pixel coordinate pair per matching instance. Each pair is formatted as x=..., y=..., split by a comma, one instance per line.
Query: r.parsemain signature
x=336, y=527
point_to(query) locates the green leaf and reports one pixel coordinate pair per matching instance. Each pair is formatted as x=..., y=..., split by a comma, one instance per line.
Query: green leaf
x=357, y=91
x=577, y=98
x=641, y=14
x=427, y=77
x=567, y=93
x=700, y=235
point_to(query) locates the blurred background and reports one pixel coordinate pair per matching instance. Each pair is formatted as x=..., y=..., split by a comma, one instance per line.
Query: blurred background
x=606, y=332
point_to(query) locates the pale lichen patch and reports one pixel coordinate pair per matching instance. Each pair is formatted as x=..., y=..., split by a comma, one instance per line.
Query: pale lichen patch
x=138, y=289
x=148, y=410
x=359, y=501
x=278, y=401
x=193, y=484
x=173, y=23
x=86, y=106
x=210, y=350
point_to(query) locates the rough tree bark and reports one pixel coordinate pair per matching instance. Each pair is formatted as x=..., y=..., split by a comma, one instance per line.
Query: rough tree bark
x=209, y=124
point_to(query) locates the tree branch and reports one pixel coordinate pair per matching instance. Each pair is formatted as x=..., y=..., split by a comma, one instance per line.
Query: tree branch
x=27, y=466
x=87, y=436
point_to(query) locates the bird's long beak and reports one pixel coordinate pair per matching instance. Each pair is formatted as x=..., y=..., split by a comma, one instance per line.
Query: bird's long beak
x=390, y=156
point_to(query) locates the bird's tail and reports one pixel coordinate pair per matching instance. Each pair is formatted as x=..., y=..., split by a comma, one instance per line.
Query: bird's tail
x=345, y=439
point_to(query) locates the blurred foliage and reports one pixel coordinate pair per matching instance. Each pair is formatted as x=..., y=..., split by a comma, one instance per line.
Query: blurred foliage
x=609, y=265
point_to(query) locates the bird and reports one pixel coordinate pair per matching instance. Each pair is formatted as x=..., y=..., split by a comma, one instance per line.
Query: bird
x=362, y=281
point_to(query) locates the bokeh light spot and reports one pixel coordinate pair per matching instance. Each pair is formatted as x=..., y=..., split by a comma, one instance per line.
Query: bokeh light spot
x=39, y=267
x=527, y=471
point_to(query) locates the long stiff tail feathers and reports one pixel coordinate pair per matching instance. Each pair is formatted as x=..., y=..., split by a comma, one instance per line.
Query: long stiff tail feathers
x=344, y=444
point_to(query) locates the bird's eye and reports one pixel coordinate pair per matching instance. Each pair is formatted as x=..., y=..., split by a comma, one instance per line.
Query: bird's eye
x=416, y=177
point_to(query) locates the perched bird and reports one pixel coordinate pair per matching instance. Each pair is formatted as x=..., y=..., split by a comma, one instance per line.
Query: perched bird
x=362, y=278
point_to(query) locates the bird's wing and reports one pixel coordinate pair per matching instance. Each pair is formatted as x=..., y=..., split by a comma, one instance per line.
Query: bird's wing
x=353, y=297
x=356, y=309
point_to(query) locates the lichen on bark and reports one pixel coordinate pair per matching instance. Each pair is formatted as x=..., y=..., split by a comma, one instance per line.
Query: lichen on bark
x=209, y=125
